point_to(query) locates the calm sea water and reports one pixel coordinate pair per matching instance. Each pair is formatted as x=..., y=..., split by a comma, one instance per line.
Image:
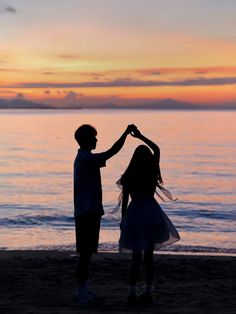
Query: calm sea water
x=198, y=150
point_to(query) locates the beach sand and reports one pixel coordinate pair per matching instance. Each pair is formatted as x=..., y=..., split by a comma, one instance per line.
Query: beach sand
x=43, y=281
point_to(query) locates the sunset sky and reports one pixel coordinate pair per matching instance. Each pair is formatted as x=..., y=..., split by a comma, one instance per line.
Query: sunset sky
x=118, y=51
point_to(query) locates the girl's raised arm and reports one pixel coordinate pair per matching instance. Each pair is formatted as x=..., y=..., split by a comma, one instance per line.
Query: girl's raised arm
x=154, y=147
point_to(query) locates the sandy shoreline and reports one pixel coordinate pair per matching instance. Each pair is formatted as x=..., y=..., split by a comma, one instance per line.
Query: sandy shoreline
x=43, y=281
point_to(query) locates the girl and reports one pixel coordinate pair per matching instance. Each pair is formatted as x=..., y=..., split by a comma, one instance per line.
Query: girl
x=144, y=226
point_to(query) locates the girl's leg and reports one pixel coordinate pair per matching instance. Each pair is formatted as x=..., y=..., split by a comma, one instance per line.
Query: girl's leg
x=146, y=297
x=134, y=271
x=149, y=269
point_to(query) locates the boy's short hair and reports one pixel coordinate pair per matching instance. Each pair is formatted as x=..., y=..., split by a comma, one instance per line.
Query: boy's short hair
x=84, y=133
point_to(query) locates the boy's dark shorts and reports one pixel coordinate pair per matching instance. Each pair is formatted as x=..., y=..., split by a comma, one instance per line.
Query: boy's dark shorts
x=87, y=227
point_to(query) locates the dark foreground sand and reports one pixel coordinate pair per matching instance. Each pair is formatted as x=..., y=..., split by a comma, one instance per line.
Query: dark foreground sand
x=42, y=282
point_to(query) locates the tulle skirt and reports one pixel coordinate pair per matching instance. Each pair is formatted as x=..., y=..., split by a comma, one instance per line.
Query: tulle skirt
x=146, y=227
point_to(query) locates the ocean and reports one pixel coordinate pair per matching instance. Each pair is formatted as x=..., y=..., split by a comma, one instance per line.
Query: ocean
x=198, y=150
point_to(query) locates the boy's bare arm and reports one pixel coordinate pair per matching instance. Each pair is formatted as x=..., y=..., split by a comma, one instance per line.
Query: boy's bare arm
x=116, y=147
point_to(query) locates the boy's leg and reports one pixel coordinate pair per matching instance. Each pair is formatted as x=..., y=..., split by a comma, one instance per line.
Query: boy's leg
x=87, y=228
x=82, y=269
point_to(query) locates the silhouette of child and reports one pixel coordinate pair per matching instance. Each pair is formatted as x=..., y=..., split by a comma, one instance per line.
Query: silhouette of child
x=144, y=226
x=88, y=207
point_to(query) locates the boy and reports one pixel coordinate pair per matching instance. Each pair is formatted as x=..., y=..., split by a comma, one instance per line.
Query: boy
x=88, y=207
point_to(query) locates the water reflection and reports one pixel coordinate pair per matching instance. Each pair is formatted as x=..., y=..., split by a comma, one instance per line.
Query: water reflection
x=197, y=158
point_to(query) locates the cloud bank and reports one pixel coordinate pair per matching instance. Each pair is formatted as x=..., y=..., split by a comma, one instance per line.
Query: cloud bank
x=126, y=82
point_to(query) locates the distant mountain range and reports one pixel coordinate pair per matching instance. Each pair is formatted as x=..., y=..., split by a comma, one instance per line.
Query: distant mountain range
x=158, y=104
x=21, y=104
x=169, y=103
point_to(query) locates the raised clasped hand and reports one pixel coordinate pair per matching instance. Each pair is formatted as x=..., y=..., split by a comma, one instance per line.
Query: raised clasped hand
x=136, y=133
x=131, y=128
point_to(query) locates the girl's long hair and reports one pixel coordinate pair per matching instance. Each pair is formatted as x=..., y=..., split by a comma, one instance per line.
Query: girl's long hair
x=143, y=175
x=143, y=172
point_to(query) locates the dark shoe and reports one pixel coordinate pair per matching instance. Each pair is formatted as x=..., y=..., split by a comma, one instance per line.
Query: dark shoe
x=146, y=299
x=133, y=300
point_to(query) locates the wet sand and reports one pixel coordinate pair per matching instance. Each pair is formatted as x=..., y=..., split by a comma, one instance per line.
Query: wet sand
x=43, y=281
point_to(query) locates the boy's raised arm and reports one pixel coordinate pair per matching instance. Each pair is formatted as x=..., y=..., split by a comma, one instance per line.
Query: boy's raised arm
x=116, y=147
